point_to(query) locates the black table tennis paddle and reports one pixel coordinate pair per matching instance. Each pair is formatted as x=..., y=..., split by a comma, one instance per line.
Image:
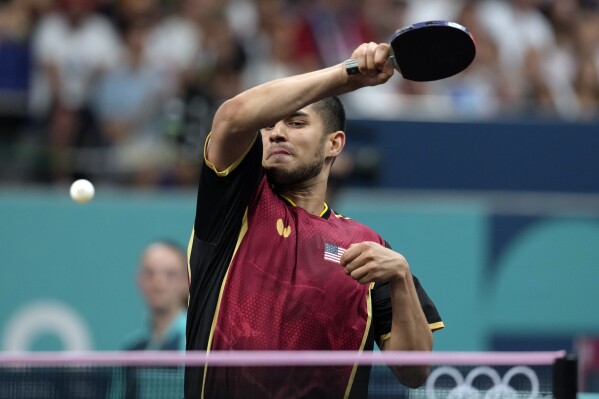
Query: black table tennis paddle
x=428, y=51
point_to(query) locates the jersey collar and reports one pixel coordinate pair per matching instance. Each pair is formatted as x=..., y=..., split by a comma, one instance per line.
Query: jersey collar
x=326, y=211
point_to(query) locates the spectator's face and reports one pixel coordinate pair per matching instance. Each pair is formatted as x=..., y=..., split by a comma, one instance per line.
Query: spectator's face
x=135, y=39
x=76, y=10
x=294, y=148
x=163, y=278
x=132, y=9
x=526, y=4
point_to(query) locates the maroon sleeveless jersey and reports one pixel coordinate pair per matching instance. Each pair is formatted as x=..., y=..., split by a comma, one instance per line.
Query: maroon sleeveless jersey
x=265, y=275
x=286, y=290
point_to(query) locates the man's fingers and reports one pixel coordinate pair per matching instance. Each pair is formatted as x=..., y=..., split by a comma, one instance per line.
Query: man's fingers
x=371, y=57
x=359, y=273
x=371, y=68
x=368, y=262
x=389, y=67
x=381, y=55
x=350, y=254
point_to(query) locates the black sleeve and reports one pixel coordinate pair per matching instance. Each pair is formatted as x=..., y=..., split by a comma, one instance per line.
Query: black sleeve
x=221, y=204
x=222, y=199
x=382, y=311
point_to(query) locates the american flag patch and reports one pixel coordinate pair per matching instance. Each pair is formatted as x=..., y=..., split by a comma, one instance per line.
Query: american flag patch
x=333, y=252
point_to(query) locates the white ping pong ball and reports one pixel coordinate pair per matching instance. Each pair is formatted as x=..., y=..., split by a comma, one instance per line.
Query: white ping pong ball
x=82, y=191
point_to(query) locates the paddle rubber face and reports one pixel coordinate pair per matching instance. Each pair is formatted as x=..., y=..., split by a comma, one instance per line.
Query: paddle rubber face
x=432, y=50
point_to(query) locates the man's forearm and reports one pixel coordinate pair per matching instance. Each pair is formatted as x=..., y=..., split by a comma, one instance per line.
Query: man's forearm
x=270, y=102
x=238, y=120
x=409, y=330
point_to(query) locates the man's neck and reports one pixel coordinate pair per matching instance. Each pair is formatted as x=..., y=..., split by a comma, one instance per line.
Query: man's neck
x=310, y=197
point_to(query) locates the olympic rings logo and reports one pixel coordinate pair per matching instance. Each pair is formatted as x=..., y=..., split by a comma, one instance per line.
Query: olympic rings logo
x=501, y=388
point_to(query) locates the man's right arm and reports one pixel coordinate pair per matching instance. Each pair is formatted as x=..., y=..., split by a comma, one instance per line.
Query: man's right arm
x=239, y=119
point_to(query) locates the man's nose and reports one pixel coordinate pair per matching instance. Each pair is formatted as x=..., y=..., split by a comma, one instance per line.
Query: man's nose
x=277, y=134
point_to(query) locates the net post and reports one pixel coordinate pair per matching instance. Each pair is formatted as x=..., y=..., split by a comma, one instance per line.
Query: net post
x=565, y=377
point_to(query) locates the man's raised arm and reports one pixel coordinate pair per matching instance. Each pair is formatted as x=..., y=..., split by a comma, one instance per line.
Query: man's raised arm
x=239, y=119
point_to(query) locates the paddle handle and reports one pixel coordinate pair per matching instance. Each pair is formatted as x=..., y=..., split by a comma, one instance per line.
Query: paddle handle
x=351, y=65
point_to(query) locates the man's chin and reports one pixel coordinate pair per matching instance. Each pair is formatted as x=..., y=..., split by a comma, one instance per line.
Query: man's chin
x=277, y=176
x=285, y=175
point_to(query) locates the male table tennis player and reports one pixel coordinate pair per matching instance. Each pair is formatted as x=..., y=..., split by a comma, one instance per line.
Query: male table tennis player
x=272, y=267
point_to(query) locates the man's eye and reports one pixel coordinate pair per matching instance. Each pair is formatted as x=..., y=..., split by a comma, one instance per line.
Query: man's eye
x=296, y=123
x=269, y=128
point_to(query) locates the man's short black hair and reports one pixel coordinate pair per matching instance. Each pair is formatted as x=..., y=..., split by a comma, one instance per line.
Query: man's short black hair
x=332, y=113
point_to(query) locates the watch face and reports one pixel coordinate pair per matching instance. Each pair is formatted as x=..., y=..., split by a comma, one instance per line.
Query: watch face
x=351, y=66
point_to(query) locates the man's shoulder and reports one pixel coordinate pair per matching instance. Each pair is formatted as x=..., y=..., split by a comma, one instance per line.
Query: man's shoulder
x=248, y=161
x=348, y=223
x=337, y=217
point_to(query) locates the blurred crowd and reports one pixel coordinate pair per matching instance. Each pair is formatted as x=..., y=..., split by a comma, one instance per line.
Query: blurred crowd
x=124, y=90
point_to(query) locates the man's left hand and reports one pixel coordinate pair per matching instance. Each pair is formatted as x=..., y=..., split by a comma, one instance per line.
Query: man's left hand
x=368, y=262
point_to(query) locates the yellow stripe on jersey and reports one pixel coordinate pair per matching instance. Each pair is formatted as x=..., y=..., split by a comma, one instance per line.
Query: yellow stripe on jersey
x=364, y=339
x=244, y=228
x=189, y=247
x=436, y=326
x=433, y=326
x=231, y=168
x=324, y=210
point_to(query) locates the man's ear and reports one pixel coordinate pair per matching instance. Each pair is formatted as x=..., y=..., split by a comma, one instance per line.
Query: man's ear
x=336, y=142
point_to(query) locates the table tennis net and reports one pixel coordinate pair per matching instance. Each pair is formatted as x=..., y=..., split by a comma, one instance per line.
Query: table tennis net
x=127, y=375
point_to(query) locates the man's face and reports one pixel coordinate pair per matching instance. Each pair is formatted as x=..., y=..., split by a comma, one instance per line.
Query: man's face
x=294, y=148
x=162, y=278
